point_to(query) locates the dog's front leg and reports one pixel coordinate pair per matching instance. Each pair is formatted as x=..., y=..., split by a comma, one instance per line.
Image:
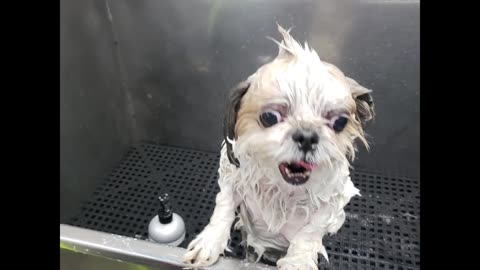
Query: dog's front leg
x=302, y=254
x=206, y=248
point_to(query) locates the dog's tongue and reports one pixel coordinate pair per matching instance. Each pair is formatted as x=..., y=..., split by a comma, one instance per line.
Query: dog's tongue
x=307, y=166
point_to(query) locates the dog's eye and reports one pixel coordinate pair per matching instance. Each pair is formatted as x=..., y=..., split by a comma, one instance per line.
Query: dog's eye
x=340, y=123
x=270, y=118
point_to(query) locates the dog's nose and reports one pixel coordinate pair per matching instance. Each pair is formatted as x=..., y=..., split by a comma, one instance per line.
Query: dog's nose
x=305, y=139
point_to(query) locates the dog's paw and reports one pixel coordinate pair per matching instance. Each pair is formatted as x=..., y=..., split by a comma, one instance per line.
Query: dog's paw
x=204, y=250
x=296, y=263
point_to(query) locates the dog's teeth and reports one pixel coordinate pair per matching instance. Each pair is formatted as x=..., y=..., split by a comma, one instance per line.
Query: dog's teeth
x=289, y=174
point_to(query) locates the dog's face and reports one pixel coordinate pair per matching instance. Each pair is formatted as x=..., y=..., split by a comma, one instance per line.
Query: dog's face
x=296, y=115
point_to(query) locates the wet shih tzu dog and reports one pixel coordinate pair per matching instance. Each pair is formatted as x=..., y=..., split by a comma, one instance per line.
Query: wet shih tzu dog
x=290, y=130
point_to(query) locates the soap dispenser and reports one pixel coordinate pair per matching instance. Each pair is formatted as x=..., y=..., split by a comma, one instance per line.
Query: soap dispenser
x=166, y=227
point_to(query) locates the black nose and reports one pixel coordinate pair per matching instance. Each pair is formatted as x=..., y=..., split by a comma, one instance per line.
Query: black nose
x=305, y=139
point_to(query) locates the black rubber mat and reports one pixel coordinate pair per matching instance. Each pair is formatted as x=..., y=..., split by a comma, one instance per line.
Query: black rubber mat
x=381, y=230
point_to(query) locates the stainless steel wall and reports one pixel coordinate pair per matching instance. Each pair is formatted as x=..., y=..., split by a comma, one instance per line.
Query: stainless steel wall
x=181, y=56
x=95, y=126
x=159, y=70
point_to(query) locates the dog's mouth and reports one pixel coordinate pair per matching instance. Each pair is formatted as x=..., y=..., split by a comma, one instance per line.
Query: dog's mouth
x=296, y=173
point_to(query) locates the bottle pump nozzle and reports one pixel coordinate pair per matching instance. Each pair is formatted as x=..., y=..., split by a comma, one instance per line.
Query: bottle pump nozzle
x=165, y=210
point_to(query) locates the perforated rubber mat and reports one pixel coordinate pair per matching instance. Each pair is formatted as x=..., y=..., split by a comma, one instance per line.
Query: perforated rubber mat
x=381, y=230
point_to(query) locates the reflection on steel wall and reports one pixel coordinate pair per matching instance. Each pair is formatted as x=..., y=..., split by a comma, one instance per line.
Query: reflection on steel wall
x=95, y=130
x=160, y=70
x=180, y=57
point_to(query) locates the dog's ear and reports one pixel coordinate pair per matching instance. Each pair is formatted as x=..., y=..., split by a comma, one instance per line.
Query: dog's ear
x=232, y=107
x=363, y=98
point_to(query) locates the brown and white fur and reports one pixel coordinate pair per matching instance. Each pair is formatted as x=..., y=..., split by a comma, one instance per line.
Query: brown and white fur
x=276, y=215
